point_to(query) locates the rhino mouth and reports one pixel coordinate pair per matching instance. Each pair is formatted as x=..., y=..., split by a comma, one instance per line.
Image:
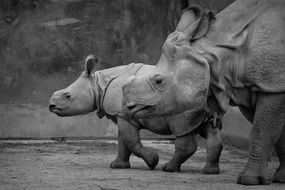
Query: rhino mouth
x=138, y=111
x=56, y=110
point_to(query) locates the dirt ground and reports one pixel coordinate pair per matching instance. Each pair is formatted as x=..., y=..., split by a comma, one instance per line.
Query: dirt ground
x=85, y=165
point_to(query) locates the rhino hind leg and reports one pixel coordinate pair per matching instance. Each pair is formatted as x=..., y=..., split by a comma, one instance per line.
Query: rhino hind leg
x=268, y=122
x=214, y=147
x=123, y=157
x=279, y=176
x=185, y=146
x=131, y=139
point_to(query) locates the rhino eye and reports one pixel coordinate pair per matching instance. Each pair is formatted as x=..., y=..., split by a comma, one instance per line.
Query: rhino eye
x=67, y=96
x=157, y=79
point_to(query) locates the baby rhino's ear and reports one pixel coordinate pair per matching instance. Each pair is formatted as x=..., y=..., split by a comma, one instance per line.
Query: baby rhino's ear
x=90, y=63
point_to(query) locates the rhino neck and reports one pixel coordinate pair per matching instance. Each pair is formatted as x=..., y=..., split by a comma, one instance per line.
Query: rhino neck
x=102, y=81
x=223, y=73
x=99, y=89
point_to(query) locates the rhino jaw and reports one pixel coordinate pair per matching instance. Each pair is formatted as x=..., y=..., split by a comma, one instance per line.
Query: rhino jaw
x=132, y=110
x=56, y=110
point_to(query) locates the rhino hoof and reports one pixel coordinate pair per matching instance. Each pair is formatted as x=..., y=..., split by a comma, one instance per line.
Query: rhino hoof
x=211, y=170
x=153, y=162
x=279, y=177
x=119, y=165
x=167, y=167
x=249, y=179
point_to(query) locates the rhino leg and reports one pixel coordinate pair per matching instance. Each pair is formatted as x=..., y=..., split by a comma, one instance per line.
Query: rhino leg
x=130, y=137
x=123, y=157
x=214, y=147
x=279, y=176
x=269, y=119
x=185, y=146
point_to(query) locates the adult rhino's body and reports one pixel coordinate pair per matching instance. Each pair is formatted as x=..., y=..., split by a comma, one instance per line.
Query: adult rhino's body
x=102, y=91
x=234, y=58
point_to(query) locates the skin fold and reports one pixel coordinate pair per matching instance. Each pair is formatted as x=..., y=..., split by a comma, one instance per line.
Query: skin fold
x=236, y=58
x=101, y=91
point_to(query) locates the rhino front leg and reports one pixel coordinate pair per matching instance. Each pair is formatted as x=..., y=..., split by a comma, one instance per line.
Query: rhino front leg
x=269, y=119
x=214, y=147
x=130, y=137
x=123, y=157
x=185, y=147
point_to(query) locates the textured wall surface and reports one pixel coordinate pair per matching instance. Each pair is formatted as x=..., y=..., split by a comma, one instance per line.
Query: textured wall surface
x=43, y=44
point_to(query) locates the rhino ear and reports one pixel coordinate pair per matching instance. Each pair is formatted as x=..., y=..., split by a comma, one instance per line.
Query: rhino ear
x=200, y=27
x=188, y=17
x=90, y=63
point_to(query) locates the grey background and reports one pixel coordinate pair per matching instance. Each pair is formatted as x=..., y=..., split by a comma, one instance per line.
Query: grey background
x=43, y=44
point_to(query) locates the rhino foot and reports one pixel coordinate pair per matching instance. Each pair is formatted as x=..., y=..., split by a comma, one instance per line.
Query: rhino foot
x=279, y=177
x=152, y=163
x=117, y=164
x=251, y=178
x=168, y=167
x=211, y=170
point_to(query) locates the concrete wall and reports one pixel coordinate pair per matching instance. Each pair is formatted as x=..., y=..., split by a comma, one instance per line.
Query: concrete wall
x=42, y=46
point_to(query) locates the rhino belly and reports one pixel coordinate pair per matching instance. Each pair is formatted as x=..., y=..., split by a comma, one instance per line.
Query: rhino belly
x=156, y=125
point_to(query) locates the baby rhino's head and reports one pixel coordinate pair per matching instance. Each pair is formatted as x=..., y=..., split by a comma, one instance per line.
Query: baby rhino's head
x=79, y=97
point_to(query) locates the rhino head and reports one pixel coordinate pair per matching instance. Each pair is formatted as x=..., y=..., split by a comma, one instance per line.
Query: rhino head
x=79, y=97
x=180, y=80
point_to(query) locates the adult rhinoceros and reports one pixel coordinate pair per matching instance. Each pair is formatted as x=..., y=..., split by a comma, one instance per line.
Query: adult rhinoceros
x=234, y=58
x=102, y=91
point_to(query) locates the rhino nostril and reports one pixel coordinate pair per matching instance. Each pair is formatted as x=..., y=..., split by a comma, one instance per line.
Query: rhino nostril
x=130, y=106
x=51, y=107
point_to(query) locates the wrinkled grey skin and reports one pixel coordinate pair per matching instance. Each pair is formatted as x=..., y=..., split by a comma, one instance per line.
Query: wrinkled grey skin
x=79, y=98
x=234, y=58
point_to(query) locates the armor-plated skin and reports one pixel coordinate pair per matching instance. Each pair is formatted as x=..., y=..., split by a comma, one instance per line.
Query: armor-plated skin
x=234, y=58
x=101, y=91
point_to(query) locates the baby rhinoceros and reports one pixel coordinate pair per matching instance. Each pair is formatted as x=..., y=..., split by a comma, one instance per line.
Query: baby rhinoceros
x=102, y=91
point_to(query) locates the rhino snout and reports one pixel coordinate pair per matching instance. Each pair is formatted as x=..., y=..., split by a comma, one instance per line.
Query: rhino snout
x=52, y=104
x=51, y=107
x=54, y=101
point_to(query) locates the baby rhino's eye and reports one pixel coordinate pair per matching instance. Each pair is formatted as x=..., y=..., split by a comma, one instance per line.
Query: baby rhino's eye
x=67, y=96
